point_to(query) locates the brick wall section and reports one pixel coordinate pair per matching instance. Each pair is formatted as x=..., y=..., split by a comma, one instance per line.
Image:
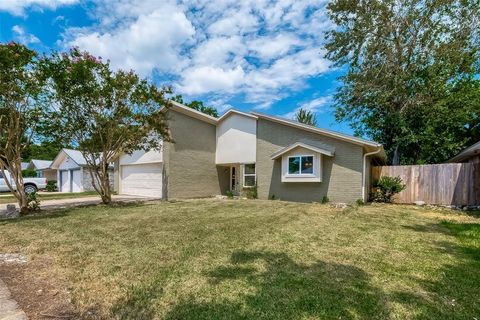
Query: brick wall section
x=87, y=180
x=341, y=176
x=189, y=162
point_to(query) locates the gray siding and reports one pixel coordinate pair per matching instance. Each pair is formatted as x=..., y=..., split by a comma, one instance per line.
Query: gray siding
x=87, y=180
x=341, y=174
x=190, y=170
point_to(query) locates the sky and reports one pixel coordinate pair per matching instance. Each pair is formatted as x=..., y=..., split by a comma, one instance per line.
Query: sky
x=260, y=55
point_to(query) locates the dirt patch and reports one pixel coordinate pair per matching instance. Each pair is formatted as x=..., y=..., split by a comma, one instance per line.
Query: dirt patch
x=40, y=293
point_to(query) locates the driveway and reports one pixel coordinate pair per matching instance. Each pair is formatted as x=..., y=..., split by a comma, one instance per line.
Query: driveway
x=66, y=203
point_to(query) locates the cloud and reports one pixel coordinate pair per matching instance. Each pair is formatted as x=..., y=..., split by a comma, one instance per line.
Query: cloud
x=23, y=37
x=317, y=105
x=17, y=7
x=260, y=49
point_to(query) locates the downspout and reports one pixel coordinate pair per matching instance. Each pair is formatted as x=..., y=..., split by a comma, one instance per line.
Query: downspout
x=364, y=180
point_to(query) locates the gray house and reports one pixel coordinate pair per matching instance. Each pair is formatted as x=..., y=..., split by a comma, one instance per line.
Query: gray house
x=283, y=159
x=470, y=154
x=73, y=174
x=42, y=168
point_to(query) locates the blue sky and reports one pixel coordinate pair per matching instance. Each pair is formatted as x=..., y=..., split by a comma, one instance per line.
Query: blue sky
x=251, y=54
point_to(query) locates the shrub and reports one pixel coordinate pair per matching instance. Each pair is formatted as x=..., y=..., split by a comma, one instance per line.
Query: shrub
x=360, y=202
x=251, y=193
x=29, y=173
x=33, y=203
x=229, y=194
x=386, y=188
x=51, y=186
x=325, y=200
x=272, y=197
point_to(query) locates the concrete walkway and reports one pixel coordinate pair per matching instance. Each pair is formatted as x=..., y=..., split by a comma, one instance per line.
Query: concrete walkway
x=9, y=309
x=67, y=203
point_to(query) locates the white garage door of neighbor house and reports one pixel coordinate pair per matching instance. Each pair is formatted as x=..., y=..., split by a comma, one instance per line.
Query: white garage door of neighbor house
x=142, y=180
x=65, y=180
x=77, y=181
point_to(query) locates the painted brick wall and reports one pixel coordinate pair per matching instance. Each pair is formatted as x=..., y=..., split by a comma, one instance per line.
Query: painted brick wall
x=190, y=170
x=341, y=176
x=87, y=180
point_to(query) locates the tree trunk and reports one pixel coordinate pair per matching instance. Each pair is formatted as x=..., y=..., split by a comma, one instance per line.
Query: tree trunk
x=396, y=157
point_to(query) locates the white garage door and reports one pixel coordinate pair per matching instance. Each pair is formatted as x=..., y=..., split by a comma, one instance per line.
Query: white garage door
x=76, y=181
x=142, y=180
x=65, y=180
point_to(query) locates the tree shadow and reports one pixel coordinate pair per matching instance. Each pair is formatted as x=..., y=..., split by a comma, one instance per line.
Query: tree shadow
x=284, y=289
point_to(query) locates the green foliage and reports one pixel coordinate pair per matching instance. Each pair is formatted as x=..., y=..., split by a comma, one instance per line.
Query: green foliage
x=51, y=186
x=46, y=150
x=229, y=194
x=360, y=202
x=103, y=113
x=29, y=173
x=252, y=192
x=197, y=105
x=272, y=197
x=386, y=188
x=325, y=200
x=306, y=117
x=32, y=201
x=411, y=66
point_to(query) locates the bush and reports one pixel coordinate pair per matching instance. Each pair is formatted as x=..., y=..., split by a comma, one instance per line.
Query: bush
x=325, y=200
x=29, y=173
x=386, y=188
x=51, y=186
x=229, y=194
x=33, y=203
x=360, y=202
x=251, y=193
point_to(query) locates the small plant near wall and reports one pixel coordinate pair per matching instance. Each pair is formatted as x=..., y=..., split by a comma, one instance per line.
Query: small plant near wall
x=32, y=201
x=386, y=188
x=229, y=194
x=251, y=193
x=360, y=202
x=51, y=186
x=325, y=200
x=272, y=197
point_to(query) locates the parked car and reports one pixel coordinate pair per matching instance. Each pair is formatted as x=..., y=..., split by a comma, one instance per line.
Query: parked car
x=30, y=184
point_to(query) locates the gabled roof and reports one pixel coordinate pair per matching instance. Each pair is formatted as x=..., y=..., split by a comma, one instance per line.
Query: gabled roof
x=326, y=132
x=467, y=153
x=192, y=112
x=233, y=111
x=282, y=151
x=40, y=164
x=25, y=165
x=75, y=155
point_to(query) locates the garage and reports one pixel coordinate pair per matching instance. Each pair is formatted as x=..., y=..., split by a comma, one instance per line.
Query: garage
x=142, y=179
x=71, y=180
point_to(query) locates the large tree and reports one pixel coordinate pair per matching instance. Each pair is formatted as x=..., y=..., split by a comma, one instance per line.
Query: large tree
x=104, y=113
x=21, y=112
x=306, y=117
x=197, y=105
x=403, y=57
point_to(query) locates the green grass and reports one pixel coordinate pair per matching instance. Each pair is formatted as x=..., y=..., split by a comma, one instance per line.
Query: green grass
x=207, y=259
x=5, y=198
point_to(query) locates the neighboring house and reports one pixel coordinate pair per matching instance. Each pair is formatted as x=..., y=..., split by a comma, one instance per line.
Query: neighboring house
x=73, y=174
x=42, y=168
x=25, y=165
x=285, y=159
x=471, y=154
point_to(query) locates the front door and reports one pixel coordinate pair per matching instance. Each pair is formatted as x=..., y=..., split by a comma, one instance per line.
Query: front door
x=233, y=178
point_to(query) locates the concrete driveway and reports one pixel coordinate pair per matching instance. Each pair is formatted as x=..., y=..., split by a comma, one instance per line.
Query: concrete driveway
x=67, y=203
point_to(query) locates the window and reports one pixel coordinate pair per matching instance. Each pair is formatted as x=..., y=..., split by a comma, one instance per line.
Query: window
x=249, y=175
x=299, y=165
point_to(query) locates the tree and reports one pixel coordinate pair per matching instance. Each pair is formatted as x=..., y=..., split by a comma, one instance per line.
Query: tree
x=21, y=112
x=197, y=105
x=401, y=57
x=306, y=117
x=104, y=113
x=45, y=150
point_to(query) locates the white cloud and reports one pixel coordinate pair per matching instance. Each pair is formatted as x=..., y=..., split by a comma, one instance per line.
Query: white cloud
x=317, y=105
x=23, y=37
x=17, y=7
x=260, y=49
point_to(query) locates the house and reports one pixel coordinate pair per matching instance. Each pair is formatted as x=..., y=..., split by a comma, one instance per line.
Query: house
x=283, y=159
x=24, y=165
x=42, y=168
x=73, y=174
x=471, y=154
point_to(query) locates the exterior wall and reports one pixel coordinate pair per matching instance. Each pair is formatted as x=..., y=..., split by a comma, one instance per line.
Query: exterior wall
x=87, y=180
x=189, y=162
x=475, y=159
x=236, y=140
x=140, y=156
x=49, y=174
x=341, y=174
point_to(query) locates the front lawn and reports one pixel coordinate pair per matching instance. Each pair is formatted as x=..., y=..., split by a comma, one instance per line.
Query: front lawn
x=9, y=198
x=208, y=259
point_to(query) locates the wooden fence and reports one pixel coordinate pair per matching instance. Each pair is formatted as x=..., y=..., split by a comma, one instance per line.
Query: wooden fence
x=440, y=184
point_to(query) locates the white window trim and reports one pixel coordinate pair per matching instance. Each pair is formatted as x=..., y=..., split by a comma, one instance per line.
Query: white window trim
x=249, y=175
x=300, y=174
